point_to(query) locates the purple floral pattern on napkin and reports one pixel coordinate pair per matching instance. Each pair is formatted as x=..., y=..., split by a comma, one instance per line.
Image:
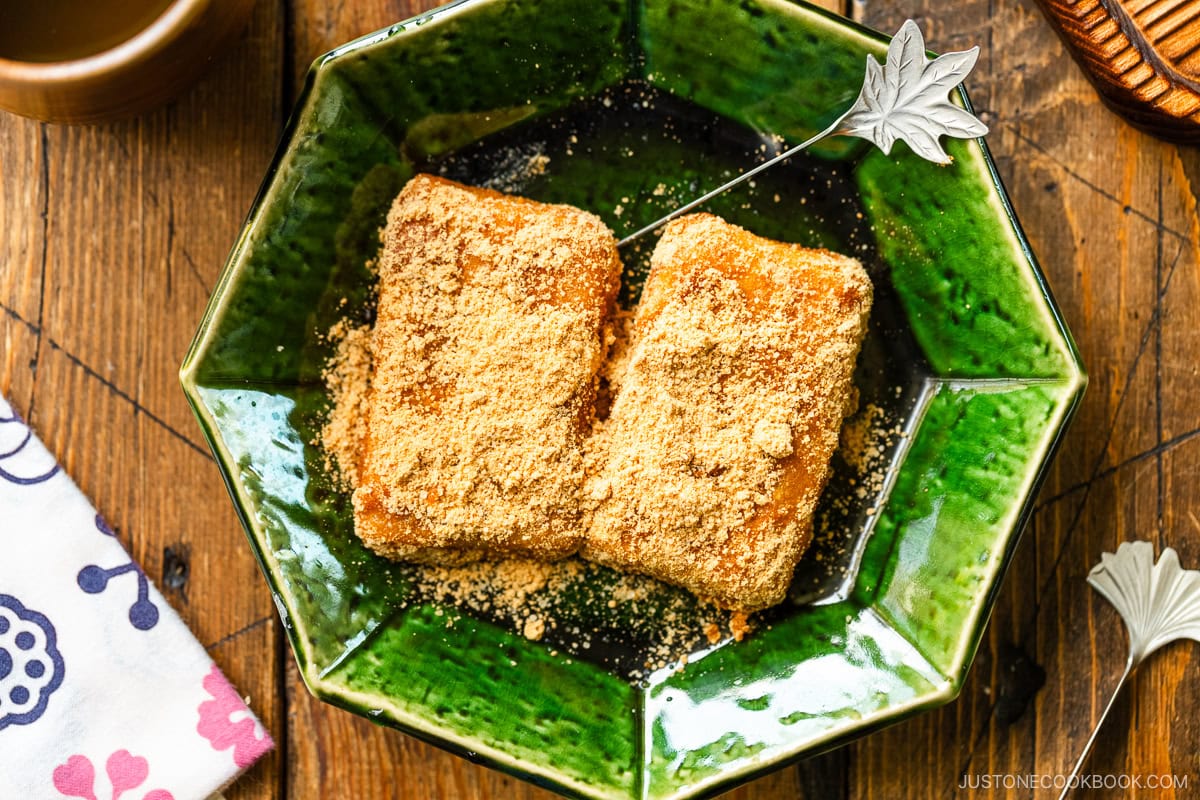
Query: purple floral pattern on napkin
x=93, y=579
x=31, y=668
x=23, y=473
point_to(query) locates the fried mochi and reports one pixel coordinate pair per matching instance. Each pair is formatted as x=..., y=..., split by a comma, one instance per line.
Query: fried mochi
x=487, y=341
x=718, y=443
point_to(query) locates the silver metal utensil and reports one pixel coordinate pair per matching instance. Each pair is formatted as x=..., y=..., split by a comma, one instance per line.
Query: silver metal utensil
x=1159, y=603
x=905, y=98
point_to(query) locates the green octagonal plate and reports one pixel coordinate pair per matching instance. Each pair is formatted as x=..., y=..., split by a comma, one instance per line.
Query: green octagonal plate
x=627, y=108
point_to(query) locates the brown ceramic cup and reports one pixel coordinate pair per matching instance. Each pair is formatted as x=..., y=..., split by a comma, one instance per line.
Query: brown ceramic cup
x=147, y=69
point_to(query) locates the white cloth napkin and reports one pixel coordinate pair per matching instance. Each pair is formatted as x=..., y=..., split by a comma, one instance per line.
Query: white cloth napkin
x=104, y=692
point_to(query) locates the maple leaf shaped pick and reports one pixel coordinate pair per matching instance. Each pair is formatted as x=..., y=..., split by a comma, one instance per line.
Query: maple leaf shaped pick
x=906, y=98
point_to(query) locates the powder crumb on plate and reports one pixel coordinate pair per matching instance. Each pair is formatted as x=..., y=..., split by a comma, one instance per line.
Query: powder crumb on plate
x=581, y=608
x=867, y=438
x=347, y=376
x=534, y=628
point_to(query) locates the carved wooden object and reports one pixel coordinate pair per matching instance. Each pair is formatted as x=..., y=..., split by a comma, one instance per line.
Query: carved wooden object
x=1142, y=55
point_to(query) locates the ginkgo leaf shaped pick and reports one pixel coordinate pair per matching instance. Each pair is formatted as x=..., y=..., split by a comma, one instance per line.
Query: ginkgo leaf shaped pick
x=1159, y=603
x=905, y=98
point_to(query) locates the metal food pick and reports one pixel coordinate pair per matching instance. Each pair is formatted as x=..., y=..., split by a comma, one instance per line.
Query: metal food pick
x=1159, y=604
x=905, y=98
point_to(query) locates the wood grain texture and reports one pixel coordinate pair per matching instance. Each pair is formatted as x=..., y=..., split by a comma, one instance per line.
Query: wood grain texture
x=1142, y=55
x=1111, y=212
x=112, y=238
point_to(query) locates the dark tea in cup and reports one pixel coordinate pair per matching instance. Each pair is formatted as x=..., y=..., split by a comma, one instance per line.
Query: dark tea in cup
x=94, y=60
x=62, y=30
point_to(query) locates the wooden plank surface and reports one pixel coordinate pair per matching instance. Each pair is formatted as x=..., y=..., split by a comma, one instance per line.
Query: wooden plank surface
x=1111, y=213
x=112, y=238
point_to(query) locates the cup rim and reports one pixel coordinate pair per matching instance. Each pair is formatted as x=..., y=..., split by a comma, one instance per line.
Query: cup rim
x=174, y=19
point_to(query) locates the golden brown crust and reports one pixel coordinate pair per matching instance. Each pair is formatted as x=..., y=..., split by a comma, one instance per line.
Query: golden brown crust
x=486, y=345
x=718, y=444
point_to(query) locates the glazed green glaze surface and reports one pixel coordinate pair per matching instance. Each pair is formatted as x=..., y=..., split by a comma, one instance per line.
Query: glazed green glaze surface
x=336, y=590
x=979, y=313
x=629, y=108
x=812, y=676
x=764, y=63
x=509, y=698
x=941, y=541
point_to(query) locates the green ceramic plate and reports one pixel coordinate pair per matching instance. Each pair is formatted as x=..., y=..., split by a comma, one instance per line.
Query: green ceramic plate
x=627, y=107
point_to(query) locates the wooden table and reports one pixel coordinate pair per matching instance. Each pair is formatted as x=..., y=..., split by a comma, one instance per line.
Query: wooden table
x=111, y=239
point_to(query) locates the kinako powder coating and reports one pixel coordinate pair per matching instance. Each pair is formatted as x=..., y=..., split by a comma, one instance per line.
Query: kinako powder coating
x=727, y=390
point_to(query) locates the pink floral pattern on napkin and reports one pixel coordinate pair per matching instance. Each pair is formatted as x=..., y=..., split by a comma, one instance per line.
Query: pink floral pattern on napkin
x=226, y=722
x=77, y=777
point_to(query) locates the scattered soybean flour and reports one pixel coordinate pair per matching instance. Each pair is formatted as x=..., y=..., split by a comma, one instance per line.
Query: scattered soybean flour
x=860, y=468
x=633, y=624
